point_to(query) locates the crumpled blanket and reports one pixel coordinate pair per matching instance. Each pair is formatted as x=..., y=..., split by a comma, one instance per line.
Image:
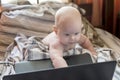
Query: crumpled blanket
x=109, y=55
x=31, y=18
x=31, y=48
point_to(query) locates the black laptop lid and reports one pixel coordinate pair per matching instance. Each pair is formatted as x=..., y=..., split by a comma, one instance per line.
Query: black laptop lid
x=97, y=71
x=30, y=66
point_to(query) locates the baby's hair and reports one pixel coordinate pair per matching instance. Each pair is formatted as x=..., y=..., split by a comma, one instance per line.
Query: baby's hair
x=66, y=12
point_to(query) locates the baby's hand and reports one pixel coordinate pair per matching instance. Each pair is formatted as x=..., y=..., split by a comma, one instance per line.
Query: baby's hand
x=59, y=62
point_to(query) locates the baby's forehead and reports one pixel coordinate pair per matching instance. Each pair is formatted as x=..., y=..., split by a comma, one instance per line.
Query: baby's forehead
x=70, y=28
x=71, y=23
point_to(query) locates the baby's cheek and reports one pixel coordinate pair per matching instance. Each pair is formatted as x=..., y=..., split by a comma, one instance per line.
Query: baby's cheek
x=66, y=40
x=77, y=38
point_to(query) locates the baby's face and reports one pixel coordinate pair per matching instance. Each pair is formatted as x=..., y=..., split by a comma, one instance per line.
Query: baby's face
x=69, y=33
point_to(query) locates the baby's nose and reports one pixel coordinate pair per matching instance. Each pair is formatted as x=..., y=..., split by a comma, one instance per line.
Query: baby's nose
x=72, y=37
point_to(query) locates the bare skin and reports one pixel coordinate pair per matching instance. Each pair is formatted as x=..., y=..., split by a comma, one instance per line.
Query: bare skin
x=66, y=33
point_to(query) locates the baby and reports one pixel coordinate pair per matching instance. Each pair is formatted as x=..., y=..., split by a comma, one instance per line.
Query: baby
x=66, y=34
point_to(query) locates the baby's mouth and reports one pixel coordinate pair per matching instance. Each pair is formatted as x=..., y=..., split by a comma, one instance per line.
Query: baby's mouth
x=72, y=42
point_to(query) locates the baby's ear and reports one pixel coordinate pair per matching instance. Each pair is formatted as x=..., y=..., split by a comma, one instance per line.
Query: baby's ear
x=55, y=29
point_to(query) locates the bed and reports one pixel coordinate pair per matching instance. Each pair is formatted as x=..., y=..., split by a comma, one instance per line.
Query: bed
x=31, y=21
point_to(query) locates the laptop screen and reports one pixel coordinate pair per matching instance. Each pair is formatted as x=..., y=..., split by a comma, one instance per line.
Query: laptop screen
x=96, y=71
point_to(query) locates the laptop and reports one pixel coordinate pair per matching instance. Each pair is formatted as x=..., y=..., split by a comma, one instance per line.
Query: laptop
x=30, y=66
x=96, y=71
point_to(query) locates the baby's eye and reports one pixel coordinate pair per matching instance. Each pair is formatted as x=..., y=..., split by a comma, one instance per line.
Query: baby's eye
x=77, y=33
x=66, y=34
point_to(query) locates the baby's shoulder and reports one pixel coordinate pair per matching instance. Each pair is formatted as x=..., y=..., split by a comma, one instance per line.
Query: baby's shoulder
x=56, y=45
x=50, y=38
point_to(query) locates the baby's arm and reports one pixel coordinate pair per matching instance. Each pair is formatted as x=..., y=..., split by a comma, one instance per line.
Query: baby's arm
x=85, y=43
x=56, y=55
